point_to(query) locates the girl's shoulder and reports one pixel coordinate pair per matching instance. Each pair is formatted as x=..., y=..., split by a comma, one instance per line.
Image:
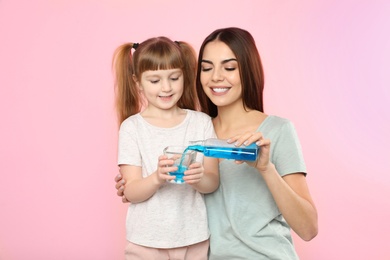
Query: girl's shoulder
x=198, y=114
x=131, y=120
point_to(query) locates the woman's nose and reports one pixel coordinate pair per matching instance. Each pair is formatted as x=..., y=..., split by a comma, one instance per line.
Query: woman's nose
x=217, y=75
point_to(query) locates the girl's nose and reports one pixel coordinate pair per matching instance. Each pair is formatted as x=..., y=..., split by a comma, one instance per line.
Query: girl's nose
x=166, y=86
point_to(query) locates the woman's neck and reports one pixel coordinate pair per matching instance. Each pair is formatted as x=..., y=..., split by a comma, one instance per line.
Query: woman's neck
x=236, y=120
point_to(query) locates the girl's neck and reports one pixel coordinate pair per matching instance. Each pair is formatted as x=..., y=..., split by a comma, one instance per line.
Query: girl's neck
x=164, y=118
x=236, y=120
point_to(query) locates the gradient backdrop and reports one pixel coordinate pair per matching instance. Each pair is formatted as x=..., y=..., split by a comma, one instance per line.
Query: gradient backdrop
x=327, y=66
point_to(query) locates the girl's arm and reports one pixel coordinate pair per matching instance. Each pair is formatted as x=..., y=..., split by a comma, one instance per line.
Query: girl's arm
x=290, y=192
x=137, y=188
x=204, y=178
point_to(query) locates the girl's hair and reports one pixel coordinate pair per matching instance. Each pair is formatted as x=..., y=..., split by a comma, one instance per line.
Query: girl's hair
x=244, y=48
x=159, y=53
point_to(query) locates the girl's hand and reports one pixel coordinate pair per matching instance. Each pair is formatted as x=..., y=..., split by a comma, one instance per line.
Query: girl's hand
x=165, y=166
x=262, y=162
x=194, y=173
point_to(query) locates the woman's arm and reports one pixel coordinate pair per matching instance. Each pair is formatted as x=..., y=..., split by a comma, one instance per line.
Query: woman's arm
x=290, y=192
x=294, y=201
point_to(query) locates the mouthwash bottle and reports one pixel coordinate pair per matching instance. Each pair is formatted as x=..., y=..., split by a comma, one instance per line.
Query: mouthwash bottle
x=222, y=149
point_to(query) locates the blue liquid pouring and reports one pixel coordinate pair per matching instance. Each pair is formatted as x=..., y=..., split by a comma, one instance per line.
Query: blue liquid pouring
x=242, y=153
x=179, y=174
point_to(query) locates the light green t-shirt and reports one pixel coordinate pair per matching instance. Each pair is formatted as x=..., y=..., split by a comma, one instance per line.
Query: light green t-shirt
x=244, y=220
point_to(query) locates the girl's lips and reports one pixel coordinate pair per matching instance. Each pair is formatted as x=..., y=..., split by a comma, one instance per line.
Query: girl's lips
x=166, y=98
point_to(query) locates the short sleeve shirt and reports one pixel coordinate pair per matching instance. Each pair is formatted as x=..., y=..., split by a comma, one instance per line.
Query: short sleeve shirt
x=175, y=215
x=244, y=221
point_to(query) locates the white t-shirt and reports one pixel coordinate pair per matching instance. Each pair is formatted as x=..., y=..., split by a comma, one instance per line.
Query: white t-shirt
x=175, y=215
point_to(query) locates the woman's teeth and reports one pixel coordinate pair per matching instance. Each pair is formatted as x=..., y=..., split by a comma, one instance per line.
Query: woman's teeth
x=220, y=90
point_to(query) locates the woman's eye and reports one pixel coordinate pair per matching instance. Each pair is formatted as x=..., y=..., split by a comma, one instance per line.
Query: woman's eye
x=206, y=69
x=230, y=69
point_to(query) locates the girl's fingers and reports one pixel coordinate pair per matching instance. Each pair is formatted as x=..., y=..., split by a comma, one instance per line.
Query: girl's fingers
x=195, y=165
x=165, y=162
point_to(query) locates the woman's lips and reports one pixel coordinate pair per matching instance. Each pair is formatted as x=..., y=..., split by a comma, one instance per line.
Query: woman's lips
x=219, y=90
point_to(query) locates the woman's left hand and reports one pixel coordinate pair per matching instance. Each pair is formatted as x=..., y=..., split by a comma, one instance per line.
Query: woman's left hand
x=262, y=162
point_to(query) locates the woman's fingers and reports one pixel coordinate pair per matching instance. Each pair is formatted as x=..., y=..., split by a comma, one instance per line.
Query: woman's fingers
x=118, y=177
x=124, y=200
x=246, y=138
x=120, y=191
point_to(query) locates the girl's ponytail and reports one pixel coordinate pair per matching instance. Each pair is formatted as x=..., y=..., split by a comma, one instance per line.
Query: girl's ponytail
x=128, y=101
x=189, y=99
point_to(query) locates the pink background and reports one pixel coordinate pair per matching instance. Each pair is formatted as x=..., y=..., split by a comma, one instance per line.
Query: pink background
x=327, y=69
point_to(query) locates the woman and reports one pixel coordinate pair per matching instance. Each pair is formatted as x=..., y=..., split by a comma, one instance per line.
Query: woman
x=251, y=213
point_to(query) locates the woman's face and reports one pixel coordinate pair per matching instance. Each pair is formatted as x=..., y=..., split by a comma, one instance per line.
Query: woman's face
x=220, y=76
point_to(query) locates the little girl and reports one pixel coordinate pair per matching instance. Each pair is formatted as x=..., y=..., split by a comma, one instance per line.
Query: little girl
x=155, y=100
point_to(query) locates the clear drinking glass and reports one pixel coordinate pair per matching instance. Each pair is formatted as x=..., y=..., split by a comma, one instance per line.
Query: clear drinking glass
x=183, y=159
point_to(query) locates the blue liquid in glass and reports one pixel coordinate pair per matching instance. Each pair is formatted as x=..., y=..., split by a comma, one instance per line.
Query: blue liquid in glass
x=179, y=174
x=243, y=153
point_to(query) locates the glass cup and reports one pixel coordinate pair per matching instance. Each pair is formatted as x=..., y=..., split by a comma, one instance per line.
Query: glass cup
x=183, y=159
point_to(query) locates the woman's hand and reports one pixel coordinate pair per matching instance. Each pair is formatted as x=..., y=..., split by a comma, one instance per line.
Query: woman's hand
x=120, y=187
x=262, y=162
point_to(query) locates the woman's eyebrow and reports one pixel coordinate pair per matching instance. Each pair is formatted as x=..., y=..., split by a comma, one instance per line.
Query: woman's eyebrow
x=228, y=60
x=223, y=62
x=207, y=61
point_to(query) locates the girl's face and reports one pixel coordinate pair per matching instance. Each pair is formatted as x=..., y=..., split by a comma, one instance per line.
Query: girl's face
x=162, y=88
x=220, y=76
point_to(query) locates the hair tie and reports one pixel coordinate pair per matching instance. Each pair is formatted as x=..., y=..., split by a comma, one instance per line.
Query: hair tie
x=135, y=45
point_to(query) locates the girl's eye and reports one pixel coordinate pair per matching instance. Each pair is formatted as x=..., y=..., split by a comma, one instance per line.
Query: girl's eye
x=154, y=81
x=174, y=79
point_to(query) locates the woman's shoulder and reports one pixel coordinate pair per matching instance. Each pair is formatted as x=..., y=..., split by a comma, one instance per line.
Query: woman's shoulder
x=277, y=120
x=275, y=123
